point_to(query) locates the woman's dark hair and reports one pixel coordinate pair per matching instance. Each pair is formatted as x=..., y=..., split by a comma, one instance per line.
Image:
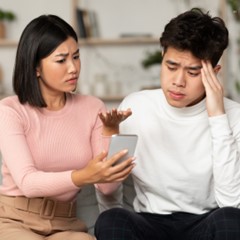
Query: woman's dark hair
x=38, y=40
x=205, y=37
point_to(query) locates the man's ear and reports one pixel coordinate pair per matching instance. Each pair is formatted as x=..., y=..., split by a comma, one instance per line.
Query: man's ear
x=163, y=51
x=217, y=68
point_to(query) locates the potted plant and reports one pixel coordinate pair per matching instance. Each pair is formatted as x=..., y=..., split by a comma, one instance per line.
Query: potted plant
x=5, y=16
x=235, y=7
x=152, y=62
x=152, y=58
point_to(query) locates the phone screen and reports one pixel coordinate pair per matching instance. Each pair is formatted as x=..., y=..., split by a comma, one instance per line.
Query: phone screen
x=120, y=142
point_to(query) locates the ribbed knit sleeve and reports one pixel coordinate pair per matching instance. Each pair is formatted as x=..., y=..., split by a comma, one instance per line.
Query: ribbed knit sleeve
x=41, y=148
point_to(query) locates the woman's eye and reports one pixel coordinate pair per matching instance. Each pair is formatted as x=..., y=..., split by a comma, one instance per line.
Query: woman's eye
x=76, y=57
x=61, y=61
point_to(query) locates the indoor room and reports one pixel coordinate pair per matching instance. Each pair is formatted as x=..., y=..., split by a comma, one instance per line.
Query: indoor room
x=120, y=54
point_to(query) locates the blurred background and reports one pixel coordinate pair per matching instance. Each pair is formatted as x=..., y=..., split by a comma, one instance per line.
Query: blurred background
x=119, y=41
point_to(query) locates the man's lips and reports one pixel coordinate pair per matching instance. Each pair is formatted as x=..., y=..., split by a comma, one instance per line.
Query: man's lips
x=176, y=95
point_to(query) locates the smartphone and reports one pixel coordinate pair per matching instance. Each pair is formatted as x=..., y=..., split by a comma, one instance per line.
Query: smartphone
x=120, y=142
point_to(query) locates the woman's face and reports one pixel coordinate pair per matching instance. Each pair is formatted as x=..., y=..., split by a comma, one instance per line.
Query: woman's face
x=59, y=72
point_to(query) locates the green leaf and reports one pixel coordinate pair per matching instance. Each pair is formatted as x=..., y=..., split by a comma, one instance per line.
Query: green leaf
x=152, y=59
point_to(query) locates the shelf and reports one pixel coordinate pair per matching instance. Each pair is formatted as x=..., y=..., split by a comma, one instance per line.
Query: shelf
x=112, y=98
x=97, y=41
x=104, y=99
x=8, y=43
x=3, y=96
x=118, y=41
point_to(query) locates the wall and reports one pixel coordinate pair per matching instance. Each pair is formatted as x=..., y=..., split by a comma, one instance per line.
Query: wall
x=233, y=71
x=26, y=10
x=119, y=65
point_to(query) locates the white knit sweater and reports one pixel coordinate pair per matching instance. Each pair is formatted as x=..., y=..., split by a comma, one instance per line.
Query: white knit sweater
x=185, y=160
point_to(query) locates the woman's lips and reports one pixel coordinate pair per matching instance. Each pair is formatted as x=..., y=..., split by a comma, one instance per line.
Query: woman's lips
x=72, y=81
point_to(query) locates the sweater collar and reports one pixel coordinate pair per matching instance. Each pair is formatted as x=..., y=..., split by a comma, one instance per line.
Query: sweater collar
x=192, y=111
x=60, y=112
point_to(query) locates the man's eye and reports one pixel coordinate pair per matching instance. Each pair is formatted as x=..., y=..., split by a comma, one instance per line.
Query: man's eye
x=172, y=68
x=193, y=74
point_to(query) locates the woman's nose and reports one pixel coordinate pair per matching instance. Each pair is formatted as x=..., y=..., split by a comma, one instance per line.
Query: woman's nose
x=72, y=67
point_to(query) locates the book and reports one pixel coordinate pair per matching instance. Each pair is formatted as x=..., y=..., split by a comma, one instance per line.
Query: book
x=87, y=23
x=81, y=24
x=93, y=22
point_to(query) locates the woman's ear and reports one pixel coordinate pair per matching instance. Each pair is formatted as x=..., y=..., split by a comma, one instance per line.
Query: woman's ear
x=38, y=72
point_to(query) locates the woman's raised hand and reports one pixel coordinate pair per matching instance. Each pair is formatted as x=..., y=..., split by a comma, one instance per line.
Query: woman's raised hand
x=112, y=119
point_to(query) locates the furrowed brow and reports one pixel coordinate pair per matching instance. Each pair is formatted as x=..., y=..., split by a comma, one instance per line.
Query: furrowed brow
x=194, y=68
x=170, y=62
x=62, y=55
x=76, y=52
x=66, y=54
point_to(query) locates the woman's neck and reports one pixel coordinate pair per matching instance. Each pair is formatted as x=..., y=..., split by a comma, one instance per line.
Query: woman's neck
x=55, y=103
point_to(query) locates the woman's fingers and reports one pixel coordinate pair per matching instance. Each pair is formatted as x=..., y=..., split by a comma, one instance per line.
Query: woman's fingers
x=114, y=117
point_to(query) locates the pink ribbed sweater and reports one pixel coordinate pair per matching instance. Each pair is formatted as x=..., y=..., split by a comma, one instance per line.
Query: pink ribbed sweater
x=40, y=148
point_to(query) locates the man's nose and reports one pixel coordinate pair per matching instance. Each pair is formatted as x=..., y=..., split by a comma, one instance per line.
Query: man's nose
x=179, y=80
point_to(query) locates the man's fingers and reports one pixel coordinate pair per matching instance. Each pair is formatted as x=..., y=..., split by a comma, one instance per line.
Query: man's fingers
x=209, y=77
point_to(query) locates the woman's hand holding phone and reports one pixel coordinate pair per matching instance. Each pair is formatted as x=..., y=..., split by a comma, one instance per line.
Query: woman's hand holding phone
x=102, y=170
x=120, y=142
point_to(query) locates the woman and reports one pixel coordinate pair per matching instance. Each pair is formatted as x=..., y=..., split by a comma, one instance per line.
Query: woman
x=52, y=141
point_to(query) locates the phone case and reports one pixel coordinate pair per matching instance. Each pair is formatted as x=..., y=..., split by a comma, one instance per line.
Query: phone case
x=120, y=142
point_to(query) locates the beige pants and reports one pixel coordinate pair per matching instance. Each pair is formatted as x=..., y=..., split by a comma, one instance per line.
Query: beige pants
x=24, y=225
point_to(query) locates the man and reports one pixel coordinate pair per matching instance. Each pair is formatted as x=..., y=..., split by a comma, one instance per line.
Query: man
x=187, y=174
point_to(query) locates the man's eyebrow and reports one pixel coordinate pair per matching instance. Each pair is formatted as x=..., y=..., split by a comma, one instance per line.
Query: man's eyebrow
x=194, y=68
x=66, y=54
x=172, y=63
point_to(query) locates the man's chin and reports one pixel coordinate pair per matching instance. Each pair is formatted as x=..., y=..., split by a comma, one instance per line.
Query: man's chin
x=176, y=104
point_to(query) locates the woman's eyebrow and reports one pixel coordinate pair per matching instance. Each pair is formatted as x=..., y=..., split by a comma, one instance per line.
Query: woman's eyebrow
x=66, y=54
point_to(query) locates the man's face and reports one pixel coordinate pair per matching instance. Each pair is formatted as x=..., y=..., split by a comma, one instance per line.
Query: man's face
x=181, y=78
